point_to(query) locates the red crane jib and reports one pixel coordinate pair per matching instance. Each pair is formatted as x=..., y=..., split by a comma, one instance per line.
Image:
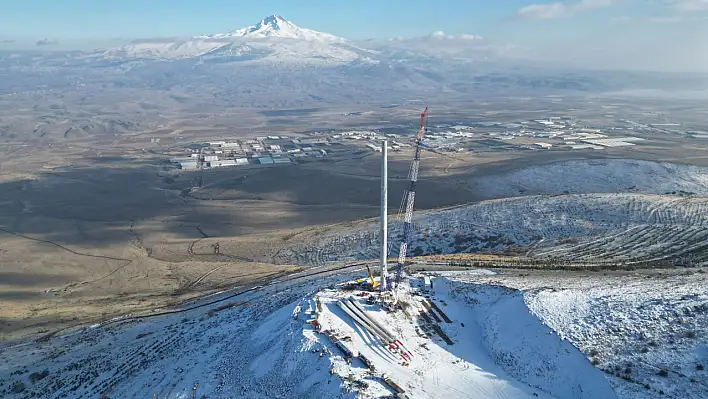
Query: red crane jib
x=423, y=118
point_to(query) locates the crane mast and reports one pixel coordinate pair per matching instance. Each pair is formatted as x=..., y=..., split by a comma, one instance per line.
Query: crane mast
x=410, y=197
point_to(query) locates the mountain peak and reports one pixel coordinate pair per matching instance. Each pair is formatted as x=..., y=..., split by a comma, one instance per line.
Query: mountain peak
x=273, y=19
x=276, y=26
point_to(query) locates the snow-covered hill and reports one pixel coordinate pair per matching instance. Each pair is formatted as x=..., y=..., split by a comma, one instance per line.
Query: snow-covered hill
x=499, y=349
x=262, y=344
x=583, y=228
x=613, y=221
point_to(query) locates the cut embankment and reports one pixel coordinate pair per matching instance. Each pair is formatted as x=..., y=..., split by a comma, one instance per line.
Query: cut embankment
x=518, y=342
x=532, y=353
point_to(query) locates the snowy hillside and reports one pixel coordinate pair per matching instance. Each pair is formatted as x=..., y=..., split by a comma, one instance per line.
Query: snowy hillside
x=635, y=331
x=247, y=346
x=584, y=228
x=626, y=227
x=164, y=50
x=596, y=176
x=647, y=332
x=264, y=344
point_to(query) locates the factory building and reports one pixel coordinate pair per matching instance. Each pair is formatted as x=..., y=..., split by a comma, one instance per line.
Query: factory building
x=188, y=165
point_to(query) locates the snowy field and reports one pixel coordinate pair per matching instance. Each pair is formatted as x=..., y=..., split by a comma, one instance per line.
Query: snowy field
x=512, y=336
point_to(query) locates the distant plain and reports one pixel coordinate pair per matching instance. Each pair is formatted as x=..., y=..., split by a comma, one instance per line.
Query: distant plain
x=96, y=224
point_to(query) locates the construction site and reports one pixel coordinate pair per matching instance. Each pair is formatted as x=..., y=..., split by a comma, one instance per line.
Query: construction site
x=390, y=330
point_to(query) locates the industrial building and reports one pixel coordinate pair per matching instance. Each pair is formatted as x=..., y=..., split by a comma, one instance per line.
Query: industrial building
x=191, y=165
x=281, y=160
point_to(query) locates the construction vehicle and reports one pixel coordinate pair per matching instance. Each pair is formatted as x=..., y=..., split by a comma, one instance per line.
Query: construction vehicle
x=374, y=284
x=367, y=283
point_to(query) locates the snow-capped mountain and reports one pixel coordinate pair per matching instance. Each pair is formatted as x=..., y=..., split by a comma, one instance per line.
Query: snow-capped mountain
x=274, y=39
x=275, y=26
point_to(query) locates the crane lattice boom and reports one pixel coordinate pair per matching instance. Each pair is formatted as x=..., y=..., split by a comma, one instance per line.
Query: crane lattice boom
x=410, y=197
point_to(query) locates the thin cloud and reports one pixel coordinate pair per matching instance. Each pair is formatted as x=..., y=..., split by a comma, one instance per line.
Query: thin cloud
x=560, y=10
x=658, y=20
x=690, y=5
x=46, y=42
x=664, y=20
x=442, y=36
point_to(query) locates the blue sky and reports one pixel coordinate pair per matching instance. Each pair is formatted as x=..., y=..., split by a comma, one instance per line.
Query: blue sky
x=62, y=19
x=147, y=18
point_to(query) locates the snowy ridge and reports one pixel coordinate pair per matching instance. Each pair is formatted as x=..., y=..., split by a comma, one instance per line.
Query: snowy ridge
x=257, y=348
x=529, y=350
x=164, y=50
x=582, y=227
x=587, y=227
